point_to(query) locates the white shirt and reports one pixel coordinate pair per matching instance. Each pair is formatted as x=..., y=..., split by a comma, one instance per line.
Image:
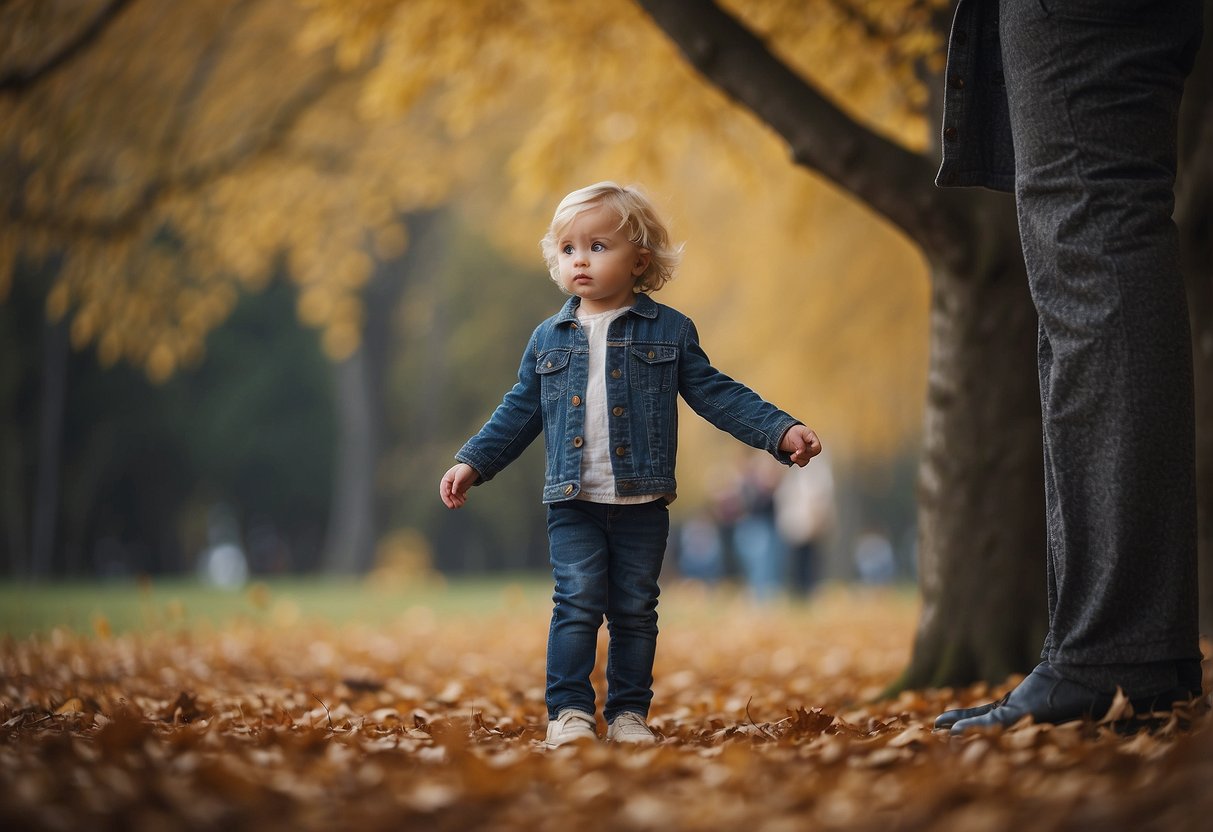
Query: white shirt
x=597, y=475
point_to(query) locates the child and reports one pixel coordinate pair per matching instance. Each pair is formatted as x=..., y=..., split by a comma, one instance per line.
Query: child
x=601, y=380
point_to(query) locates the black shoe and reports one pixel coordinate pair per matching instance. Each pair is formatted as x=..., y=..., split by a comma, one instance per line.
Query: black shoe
x=1165, y=701
x=1046, y=697
x=949, y=718
x=1190, y=676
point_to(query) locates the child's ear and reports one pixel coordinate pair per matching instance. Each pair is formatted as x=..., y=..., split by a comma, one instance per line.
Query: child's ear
x=642, y=263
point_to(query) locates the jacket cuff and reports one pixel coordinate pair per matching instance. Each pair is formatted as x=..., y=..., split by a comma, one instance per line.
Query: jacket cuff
x=469, y=455
x=783, y=457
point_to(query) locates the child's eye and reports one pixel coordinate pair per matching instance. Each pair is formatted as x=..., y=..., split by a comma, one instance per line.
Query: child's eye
x=598, y=247
x=568, y=249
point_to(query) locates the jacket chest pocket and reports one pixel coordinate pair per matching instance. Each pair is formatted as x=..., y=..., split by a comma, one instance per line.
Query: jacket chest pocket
x=651, y=368
x=553, y=370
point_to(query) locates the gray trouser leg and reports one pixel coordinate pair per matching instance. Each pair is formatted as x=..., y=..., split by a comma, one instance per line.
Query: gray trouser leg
x=1094, y=90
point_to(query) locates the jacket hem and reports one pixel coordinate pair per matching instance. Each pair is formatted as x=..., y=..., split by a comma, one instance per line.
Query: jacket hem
x=1001, y=182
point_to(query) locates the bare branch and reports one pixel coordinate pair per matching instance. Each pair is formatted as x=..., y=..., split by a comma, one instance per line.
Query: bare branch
x=894, y=181
x=19, y=80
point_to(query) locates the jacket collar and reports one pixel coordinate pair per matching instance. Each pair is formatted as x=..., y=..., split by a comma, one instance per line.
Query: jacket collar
x=645, y=307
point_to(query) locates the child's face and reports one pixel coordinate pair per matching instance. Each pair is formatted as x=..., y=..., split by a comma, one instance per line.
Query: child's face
x=598, y=263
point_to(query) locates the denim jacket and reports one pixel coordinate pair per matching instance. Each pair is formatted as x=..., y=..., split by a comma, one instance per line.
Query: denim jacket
x=653, y=356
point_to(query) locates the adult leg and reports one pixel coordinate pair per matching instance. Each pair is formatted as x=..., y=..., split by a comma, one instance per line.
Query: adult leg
x=577, y=539
x=1094, y=90
x=638, y=535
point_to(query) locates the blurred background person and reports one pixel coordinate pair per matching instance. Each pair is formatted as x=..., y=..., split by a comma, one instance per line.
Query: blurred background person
x=759, y=547
x=874, y=560
x=701, y=549
x=805, y=515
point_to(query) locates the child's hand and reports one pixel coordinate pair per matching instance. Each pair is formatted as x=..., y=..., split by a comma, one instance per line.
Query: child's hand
x=801, y=443
x=455, y=485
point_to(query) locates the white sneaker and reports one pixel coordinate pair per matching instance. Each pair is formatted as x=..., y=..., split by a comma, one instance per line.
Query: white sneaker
x=571, y=725
x=630, y=727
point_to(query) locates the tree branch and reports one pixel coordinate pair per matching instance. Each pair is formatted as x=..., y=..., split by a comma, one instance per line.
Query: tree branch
x=892, y=180
x=19, y=80
x=253, y=145
x=204, y=69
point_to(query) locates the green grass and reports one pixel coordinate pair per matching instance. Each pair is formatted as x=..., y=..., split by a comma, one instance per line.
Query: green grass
x=176, y=604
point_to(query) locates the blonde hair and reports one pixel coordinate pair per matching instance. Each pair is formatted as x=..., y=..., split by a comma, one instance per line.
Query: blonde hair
x=637, y=218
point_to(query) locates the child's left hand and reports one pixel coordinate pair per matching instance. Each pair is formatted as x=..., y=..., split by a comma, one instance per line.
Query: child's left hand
x=802, y=443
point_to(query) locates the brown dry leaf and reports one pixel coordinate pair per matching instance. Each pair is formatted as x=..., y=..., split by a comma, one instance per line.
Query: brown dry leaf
x=914, y=734
x=73, y=705
x=1120, y=709
x=438, y=724
x=809, y=723
x=183, y=709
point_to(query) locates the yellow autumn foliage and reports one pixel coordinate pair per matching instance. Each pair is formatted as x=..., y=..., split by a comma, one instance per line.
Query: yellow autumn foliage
x=193, y=151
x=799, y=290
x=179, y=156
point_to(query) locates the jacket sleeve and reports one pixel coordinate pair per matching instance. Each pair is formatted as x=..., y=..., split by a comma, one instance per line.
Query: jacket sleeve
x=512, y=427
x=729, y=404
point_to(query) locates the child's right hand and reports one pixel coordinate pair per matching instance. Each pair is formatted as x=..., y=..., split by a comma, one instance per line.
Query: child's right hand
x=455, y=485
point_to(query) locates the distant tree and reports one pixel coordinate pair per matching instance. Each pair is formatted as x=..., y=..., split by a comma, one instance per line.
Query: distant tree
x=142, y=464
x=160, y=160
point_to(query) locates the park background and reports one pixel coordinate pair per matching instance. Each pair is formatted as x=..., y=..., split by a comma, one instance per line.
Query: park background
x=266, y=264
x=298, y=395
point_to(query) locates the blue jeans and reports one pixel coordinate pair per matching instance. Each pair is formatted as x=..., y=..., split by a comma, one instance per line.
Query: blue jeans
x=605, y=562
x=761, y=553
x=1094, y=90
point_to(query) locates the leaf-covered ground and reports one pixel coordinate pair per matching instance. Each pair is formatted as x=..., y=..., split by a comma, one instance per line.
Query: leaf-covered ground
x=435, y=721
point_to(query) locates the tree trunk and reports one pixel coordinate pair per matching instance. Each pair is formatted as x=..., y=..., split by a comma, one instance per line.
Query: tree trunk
x=350, y=546
x=1194, y=213
x=358, y=396
x=14, y=506
x=1200, y=298
x=50, y=449
x=981, y=484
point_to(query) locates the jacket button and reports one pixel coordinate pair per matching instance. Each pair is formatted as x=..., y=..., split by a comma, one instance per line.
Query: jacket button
x=956, y=82
x=578, y=441
x=652, y=354
x=568, y=489
x=616, y=373
x=627, y=486
x=577, y=401
x=548, y=365
x=621, y=451
x=574, y=326
x=617, y=410
x=951, y=133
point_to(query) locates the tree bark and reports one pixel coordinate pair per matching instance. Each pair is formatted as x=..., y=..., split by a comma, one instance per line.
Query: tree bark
x=981, y=506
x=1194, y=214
x=981, y=486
